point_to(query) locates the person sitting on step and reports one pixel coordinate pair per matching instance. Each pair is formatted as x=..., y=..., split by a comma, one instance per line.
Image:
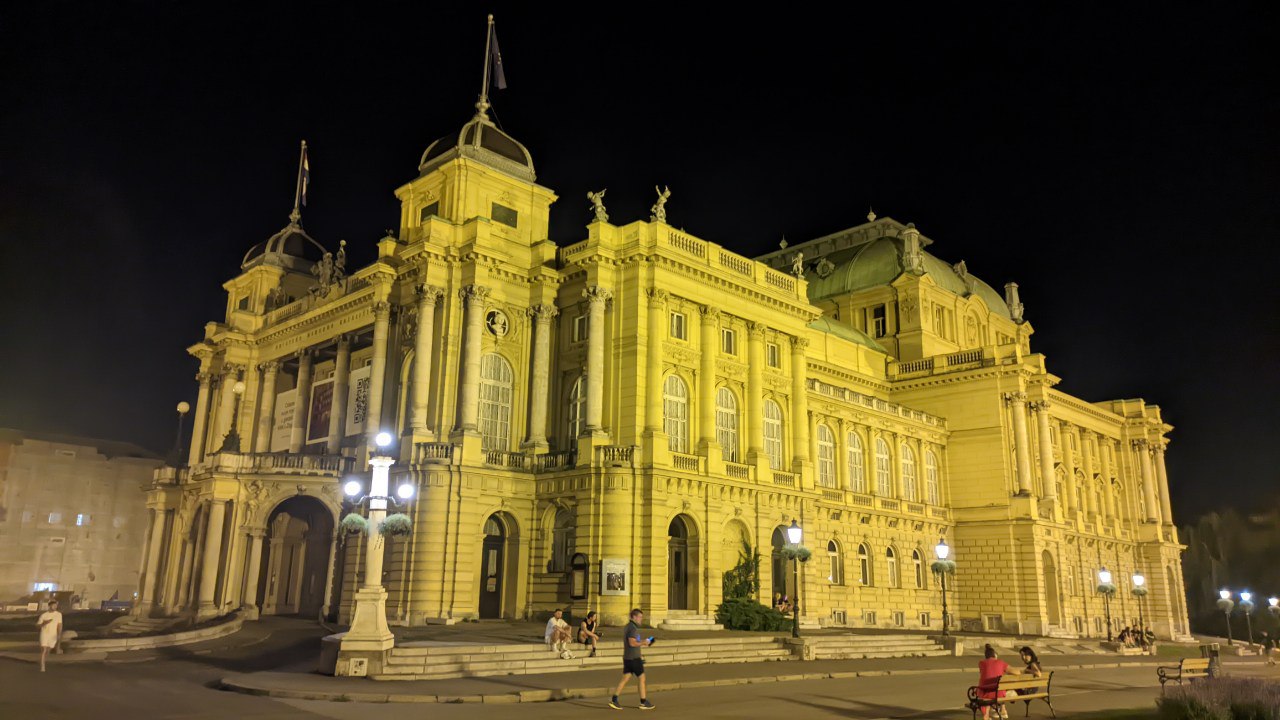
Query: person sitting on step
x=588, y=634
x=557, y=635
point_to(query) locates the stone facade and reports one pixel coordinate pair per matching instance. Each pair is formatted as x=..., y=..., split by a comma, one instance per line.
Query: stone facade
x=638, y=404
x=70, y=519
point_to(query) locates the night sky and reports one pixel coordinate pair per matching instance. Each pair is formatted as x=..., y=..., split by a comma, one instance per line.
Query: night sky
x=1122, y=166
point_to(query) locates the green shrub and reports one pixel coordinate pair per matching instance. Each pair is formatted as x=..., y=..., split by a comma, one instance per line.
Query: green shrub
x=743, y=580
x=747, y=614
x=397, y=525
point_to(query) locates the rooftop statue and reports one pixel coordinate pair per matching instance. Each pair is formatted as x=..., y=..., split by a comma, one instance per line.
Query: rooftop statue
x=323, y=271
x=597, y=205
x=797, y=265
x=659, y=209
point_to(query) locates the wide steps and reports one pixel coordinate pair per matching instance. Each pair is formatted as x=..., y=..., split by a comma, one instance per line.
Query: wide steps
x=556, y=665
x=849, y=647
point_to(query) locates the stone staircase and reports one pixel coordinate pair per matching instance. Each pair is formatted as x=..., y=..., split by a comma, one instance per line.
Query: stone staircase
x=688, y=620
x=849, y=646
x=437, y=661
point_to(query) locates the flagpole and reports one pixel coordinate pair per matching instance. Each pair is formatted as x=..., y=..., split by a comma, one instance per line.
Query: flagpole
x=482, y=105
x=296, y=215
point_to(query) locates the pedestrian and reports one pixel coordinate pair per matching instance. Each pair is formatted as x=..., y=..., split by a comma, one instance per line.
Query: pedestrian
x=633, y=660
x=557, y=634
x=50, y=624
x=587, y=633
x=990, y=670
x=1269, y=647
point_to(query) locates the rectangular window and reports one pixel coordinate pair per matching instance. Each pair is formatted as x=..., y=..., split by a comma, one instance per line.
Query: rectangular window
x=924, y=619
x=728, y=342
x=82, y=519
x=243, y=303
x=771, y=356
x=899, y=618
x=940, y=321
x=579, y=331
x=992, y=623
x=504, y=215
x=44, y=587
x=55, y=518
x=677, y=326
x=428, y=211
x=879, y=327
x=869, y=617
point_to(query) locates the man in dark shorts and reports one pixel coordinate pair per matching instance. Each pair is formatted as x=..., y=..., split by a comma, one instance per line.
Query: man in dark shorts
x=633, y=660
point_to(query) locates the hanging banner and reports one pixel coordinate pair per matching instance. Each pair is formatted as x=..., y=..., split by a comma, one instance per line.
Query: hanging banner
x=357, y=400
x=282, y=431
x=321, y=406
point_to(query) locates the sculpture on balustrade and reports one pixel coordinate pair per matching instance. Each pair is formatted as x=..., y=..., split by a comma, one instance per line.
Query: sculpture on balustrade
x=797, y=265
x=340, y=264
x=323, y=272
x=597, y=205
x=659, y=209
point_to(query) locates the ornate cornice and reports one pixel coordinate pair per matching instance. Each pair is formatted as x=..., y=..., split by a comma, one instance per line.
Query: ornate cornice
x=597, y=295
x=1016, y=397
x=428, y=294
x=474, y=294
x=657, y=297
x=542, y=312
x=710, y=315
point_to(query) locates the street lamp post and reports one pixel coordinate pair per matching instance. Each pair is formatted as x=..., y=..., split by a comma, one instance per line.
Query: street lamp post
x=183, y=408
x=369, y=635
x=1140, y=591
x=1106, y=590
x=1246, y=606
x=943, y=567
x=795, y=535
x=1273, y=606
x=1225, y=605
x=231, y=443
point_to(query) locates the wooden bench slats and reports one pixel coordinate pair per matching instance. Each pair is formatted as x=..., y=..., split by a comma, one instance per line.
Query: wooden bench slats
x=1016, y=683
x=1187, y=669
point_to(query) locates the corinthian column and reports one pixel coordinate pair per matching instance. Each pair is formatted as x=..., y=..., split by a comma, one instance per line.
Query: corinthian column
x=302, y=398
x=1091, y=483
x=266, y=408
x=542, y=315
x=338, y=408
x=707, y=383
x=1148, y=481
x=212, y=554
x=474, y=297
x=799, y=402
x=1018, y=405
x=428, y=295
x=200, y=420
x=1108, y=494
x=1069, y=467
x=1162, y=478
x=755, y=391
x=255, y=569
x=653, y=367
x=597, y=297
x=1048, y=480
x=377, y=369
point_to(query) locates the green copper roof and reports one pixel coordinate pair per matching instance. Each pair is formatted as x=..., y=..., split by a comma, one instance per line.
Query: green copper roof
x=848, y=332
x=879, y=262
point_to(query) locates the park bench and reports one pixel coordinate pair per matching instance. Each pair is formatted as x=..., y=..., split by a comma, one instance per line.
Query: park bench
x=1188, y=669
x=1028, y=688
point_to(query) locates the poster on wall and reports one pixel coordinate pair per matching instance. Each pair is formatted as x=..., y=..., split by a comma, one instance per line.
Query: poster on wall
x=321, y=406
x=615, y=573
x=357, y=400
x=282, y=431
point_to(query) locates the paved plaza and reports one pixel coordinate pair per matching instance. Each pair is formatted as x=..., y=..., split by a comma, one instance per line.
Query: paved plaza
x=278, y=653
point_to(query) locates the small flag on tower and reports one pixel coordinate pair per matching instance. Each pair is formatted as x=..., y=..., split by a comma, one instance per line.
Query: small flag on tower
x=306, y=174
x=495, y=55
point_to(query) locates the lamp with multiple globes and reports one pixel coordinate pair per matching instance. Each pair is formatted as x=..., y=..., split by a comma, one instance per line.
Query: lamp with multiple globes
x=1226, y=605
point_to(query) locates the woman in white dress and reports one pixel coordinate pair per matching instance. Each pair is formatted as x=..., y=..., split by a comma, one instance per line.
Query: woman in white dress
x=50, y=623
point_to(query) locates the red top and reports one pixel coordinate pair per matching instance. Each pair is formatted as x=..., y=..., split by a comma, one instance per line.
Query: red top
x=989, y=672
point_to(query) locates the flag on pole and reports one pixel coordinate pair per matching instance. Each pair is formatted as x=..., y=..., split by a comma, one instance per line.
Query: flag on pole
x=306, y=174
x=495, y=57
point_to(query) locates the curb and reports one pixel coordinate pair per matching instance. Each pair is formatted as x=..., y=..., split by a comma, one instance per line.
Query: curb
x=246, y=686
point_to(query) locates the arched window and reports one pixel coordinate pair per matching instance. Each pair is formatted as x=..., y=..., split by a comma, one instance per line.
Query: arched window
x=495, y=403
x=908, y=473
x=884, y=482
x=562, y=541
x=727, y=423
x=864, y=564
x=773, y=434
x=891, y=558
x=578, y=408
x=826, y=457
x=857, y=467
x=675, y=413
x=836, y=577
x=917, y=563
x=931, y=492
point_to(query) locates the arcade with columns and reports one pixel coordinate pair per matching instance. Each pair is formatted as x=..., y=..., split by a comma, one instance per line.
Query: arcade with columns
x=609, y=423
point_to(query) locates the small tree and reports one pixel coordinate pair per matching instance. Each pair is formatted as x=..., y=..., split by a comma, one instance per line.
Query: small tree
x=743, y=580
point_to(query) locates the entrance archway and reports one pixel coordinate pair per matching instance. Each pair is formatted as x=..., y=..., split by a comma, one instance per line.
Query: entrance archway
x=783, y=582
x=1052, y=600
x=493, y=560
x=682, y=564
x=295, y=561
x=1177, y=598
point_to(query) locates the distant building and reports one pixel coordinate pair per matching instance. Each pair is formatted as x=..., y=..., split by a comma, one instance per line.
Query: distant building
x=602, y=423
x=71, y=515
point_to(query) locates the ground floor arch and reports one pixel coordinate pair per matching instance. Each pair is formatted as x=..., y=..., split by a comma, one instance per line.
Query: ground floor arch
x=682, y=564
x=497, y=579
x=295, y=563
x=1052, y=598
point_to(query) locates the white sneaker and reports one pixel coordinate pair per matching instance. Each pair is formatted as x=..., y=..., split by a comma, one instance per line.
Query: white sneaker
x=566, y=655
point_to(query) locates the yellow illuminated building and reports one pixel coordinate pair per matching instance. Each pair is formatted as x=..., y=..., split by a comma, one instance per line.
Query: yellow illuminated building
x=601, y=424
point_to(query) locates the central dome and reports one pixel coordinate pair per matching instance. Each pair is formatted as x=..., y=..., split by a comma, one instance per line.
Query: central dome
x=291, y=248
x=482, y=141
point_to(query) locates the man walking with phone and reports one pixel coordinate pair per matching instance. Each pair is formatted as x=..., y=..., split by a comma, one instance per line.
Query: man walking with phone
x=633, y=660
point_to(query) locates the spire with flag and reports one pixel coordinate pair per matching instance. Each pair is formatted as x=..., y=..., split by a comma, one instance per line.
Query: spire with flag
x=494, y=76
x=304, y=179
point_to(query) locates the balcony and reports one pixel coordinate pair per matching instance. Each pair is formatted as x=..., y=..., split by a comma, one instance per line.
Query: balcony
x=276, y=463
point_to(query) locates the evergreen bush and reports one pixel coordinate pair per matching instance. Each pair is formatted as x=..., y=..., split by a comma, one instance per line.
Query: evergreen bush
x=747, y=614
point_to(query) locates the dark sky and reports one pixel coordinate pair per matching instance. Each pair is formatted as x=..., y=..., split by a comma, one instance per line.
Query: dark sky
x=1121, y=165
